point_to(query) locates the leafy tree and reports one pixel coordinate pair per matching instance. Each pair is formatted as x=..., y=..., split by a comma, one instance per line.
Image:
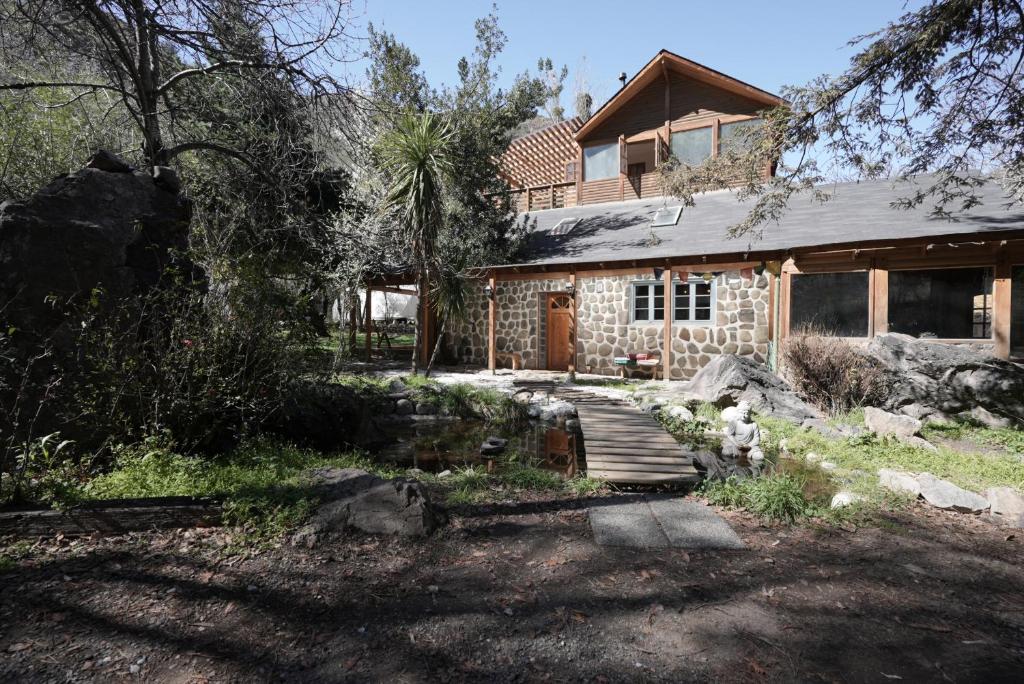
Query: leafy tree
x=554, y=84
x=418, y=158
x=938, y=90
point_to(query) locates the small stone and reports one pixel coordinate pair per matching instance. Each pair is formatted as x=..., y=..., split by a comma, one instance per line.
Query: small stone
x=1007, y=503
x=425, y=408
x=404, y=407
x=989, y=419
x=443, y=474
x=166, y=178
x=680, y=413
x=946, y=495
x=827, y=465
x=898, y=481
x=812, y=457
x=844, y=498
x=107, y=161
x=884, y=423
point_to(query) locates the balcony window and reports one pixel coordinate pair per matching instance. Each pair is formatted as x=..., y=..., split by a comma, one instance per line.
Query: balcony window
x=601, y=161
x=829, y=304
x=950, y=303
x=692, y=147
x=735, y=136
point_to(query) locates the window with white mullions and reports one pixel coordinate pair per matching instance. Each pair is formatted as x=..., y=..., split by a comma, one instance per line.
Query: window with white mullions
x=693, y=301
x=648, y=302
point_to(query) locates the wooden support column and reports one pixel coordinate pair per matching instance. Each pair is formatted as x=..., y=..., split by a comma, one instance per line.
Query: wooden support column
x=1001, y=307
x=623, y=167
x=666, y=351
x=492, y=317
x=368, y=327
x=579, y=176
x=573, y=340
x=878, y=280
x=784, y=306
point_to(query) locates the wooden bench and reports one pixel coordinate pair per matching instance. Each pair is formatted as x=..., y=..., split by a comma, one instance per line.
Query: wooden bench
x=638, y=363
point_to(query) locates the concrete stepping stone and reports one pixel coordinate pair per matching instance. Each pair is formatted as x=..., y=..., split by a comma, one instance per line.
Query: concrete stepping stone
x=648, y=521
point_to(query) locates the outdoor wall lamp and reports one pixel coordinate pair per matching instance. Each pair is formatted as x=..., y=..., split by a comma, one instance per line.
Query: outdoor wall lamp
x=570, y=289
x=708, y=277
x=488, y=291
x=658, y=273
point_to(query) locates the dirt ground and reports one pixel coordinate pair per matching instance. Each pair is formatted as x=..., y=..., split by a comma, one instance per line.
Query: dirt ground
x=519, y=592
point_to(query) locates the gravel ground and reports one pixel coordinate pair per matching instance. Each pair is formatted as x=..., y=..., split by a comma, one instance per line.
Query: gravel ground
x=520, y=592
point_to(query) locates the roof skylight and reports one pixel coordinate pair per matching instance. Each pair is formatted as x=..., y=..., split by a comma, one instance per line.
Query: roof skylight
x=666, y=216
x=564, y=226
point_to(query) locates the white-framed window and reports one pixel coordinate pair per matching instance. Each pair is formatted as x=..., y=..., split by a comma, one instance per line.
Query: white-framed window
x=693, y=302
x=648, y=302
x=601, y=161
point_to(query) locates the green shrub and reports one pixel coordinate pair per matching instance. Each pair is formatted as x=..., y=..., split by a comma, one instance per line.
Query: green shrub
x=776, y=498
x=583, y=485
x=42, y=471
x=523, y=476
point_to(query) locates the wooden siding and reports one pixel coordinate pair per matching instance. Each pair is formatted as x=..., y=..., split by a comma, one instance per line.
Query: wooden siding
x=604, y=190
x=691, y=103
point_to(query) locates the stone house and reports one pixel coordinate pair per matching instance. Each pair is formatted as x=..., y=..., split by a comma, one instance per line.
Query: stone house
x=614, y=269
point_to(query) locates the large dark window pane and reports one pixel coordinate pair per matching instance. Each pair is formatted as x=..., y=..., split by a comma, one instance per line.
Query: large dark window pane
x=947, y=303
x=829, y=303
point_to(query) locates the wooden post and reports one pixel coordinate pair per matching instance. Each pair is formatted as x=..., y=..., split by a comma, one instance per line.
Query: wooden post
x=1001, y=307
x=623, y=167
x=579, y=176
x=878, y=324
x=572, y=329
x=492, y=317
x=369, y=321
x=787, y=278
x=666, y=352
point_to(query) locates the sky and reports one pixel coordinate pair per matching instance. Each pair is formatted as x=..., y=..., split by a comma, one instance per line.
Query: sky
x=768, y=43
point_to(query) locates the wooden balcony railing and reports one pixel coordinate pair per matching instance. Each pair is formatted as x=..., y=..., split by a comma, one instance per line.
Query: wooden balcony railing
x=551, y=196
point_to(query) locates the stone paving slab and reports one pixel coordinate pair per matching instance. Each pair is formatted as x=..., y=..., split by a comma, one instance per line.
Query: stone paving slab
x=659, y=521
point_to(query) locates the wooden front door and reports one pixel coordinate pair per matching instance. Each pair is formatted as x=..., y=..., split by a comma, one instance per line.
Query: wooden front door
x=561, y=341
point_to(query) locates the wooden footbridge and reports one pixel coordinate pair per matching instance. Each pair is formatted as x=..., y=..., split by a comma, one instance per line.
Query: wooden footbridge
x=622, y=443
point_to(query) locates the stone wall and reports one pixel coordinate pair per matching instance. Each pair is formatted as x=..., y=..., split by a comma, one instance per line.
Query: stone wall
x=520, y=324
x=604, y=330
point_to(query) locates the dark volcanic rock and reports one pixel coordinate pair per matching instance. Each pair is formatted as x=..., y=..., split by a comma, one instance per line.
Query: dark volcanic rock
x=105, y=228
x=948, y=378
x=356, y=499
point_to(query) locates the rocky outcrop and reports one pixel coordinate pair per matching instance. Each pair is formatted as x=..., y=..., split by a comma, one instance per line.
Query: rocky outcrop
x=1007, y=504
x=932, y=380
x=104, y=229
x=728, y=380
x=902, y=427
x=356, y=499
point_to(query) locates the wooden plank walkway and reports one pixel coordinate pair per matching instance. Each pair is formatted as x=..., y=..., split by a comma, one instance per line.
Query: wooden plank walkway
x=622, y=443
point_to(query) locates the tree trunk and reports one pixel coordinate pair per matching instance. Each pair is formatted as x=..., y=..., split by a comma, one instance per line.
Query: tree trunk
x=437, y=348
x=420, y=313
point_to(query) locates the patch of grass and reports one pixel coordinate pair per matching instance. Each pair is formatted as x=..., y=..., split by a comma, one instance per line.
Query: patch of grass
x=523, y=476
x=1010, y=439
x=583, y=485
x=364, y=384
x=863, y=455
x=466, y=401
x=262, y=484
x=464, y=496
x=471, y=477
x=775, y=498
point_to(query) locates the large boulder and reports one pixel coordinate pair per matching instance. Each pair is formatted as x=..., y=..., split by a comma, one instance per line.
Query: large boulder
x=356, y=499
x=106, y=228
x=943, y=494
x=729, y=379
x=1006, y=503
x=949, y=379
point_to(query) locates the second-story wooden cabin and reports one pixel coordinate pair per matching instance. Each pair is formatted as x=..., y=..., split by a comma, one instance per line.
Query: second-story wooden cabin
x=672, y=106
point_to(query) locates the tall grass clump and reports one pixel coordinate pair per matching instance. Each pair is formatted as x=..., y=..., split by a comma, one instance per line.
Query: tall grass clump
x=774, y=498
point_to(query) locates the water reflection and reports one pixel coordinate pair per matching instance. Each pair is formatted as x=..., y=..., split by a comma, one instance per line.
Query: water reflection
x=438, y=447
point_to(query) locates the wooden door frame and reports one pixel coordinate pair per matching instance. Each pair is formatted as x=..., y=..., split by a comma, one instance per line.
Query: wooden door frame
x=571, y=314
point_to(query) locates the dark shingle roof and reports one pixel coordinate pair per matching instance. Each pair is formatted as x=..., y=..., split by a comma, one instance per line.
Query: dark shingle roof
x=859, y=213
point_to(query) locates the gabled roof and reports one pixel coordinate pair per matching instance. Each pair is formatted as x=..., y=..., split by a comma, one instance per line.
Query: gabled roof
x=859, y=215
x=669, y=61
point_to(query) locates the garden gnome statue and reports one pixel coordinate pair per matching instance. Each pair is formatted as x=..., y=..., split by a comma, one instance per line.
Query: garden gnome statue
x=742, y=436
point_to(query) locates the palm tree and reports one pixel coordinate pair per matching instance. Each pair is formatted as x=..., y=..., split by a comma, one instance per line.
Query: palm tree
x=417, y=157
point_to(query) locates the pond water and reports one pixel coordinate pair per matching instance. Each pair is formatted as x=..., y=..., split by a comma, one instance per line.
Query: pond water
x=436, y=447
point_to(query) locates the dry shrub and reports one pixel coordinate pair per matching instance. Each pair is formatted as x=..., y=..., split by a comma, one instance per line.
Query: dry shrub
x=831, y=373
